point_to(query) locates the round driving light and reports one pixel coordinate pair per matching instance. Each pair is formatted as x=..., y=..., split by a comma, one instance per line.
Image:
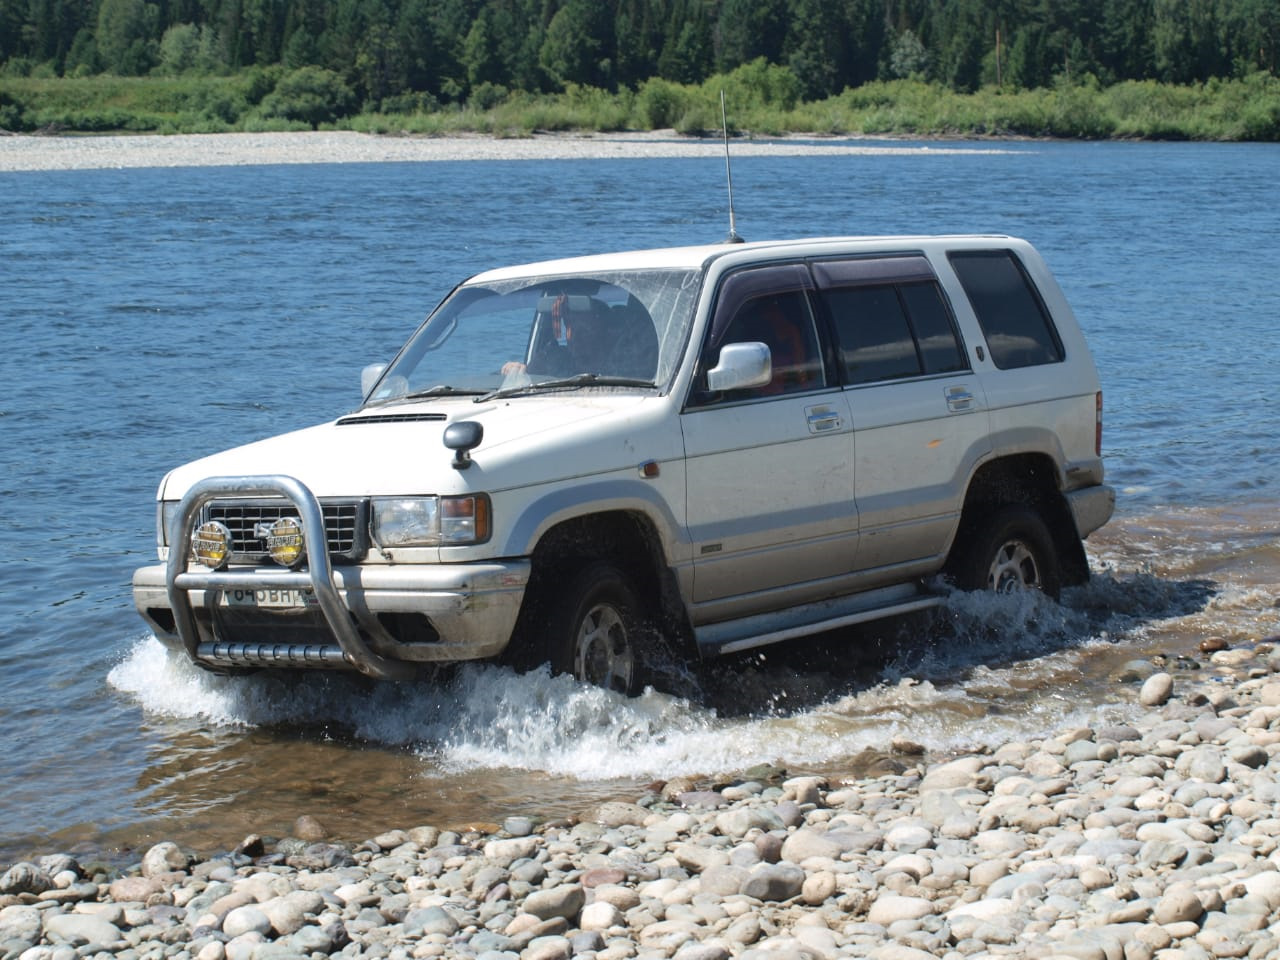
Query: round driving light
x=211, y=544
x=285, y=542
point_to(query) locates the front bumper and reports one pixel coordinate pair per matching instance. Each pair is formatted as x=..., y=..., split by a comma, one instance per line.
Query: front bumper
x=374, y=618
x=472, y=608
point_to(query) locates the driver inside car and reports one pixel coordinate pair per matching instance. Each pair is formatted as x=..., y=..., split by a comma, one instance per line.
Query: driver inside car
x=587, y=341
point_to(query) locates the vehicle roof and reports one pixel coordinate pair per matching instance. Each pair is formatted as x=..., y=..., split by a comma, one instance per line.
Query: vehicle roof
x=696, y=257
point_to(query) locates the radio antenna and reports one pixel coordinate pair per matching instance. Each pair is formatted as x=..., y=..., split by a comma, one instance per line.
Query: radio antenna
x=728, y=172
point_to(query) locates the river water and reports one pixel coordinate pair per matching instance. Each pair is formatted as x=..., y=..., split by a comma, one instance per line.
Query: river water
x=149, y=316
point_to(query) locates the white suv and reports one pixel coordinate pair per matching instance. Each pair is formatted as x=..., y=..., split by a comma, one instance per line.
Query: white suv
x=722, y=447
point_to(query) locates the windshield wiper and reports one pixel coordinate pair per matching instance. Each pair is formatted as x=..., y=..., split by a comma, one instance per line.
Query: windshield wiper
x=439, y=390
x=577, y=380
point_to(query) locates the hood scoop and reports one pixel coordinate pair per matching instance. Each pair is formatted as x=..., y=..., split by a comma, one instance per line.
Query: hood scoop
x=392, y=418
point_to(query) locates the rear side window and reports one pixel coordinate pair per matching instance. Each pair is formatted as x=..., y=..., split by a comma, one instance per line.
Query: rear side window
x=1009, y=310
x=875, y=338
x=890, y=318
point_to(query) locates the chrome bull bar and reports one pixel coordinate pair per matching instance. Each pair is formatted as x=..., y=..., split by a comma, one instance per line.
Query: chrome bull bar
x=317, y=577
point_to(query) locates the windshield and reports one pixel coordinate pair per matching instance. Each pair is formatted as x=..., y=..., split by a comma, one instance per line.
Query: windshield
x=621, y=330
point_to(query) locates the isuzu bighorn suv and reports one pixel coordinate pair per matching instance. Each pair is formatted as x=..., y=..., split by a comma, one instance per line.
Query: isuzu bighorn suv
x=722, y=446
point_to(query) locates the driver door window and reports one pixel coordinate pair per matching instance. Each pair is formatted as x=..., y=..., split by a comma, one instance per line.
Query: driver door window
x=784, y=323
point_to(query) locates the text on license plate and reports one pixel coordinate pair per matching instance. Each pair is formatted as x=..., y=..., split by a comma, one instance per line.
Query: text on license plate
x=278, y=598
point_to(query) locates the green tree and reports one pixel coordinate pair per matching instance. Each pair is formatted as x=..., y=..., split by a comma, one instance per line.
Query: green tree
x=959, y=39
x=380, y=62
x=908, y=57
x=1185, y=37
x=578, y=45
x=638, y=40
x=1251, y=34
x=179, y=49
x=416, y=34
x=481, y=55
x=817, y=47
x=687, y=49
x=13, y=17
x=126, y=31
x=1125, y=50
x=312, y=95
x=750, y=29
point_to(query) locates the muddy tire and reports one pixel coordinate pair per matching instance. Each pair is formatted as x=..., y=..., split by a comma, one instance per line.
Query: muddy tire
x=1007, y=551
x=596, y=632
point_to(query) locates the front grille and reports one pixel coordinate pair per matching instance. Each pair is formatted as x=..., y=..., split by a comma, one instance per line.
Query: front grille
x=346, y=523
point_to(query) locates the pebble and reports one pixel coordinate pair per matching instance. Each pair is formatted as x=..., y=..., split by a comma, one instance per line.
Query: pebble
x=1153, y=839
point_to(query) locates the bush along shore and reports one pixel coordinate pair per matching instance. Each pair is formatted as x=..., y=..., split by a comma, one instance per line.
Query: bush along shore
x=1156, y=839
x=764, y=101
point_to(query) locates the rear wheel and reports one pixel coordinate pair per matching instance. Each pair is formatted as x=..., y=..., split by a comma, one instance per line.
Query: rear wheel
x=1008, y=551
x=596, y=630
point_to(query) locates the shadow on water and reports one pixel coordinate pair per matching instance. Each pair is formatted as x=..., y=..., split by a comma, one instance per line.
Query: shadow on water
x=944, y=646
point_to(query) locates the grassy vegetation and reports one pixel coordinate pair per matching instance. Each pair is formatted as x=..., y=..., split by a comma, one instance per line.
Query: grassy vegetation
x=764, y=100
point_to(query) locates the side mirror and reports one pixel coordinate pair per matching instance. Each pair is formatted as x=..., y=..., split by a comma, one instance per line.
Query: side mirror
x=741, y=365
x=369, y=377
x=463, y=437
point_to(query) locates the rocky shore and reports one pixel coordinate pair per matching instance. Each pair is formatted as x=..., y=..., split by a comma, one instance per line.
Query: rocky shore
x=37, y=153
x=1152, y=840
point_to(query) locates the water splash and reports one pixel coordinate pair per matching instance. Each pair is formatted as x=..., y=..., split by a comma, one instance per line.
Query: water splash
x=983, y=670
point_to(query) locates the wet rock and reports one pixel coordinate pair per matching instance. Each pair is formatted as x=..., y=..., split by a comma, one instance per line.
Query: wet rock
x=703, y=799
x=78, y=929
x=246, y=919
x=21, y=923
x=964, y=773
x=321, y=856
x=740, y=821
x=768, y=847
x=616, y=814
x=563, y=901
x=774, y=881
x=251, y=846
x=163, y=858
x=430, y=920
x=25, y=877
x=1156, y=691
x=889, y=909
x=308, y=829
x=603, y=876
x=1178, y=904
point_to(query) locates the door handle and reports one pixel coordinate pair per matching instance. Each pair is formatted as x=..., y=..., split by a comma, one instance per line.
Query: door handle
x=822, y=419
x=959, y=399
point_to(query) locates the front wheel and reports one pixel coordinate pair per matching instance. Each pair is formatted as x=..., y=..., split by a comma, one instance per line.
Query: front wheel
x=596, y=629
x=1009, y=551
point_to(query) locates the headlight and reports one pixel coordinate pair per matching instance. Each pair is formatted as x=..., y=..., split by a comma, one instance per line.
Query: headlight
x=430, y=521
x=211, y=544
x=285, y=542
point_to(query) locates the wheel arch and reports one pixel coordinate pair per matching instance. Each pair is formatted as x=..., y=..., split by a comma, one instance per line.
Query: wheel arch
x=627, y=538
x=1034, y=480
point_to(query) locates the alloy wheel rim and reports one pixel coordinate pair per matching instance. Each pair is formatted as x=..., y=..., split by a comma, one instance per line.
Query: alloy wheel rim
x=1014, y=569
x=603, y=649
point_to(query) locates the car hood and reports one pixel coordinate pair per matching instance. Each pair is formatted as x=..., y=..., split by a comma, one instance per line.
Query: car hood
x=395, y=450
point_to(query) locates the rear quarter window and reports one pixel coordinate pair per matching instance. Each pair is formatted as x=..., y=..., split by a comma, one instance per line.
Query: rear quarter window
x=1013, y=318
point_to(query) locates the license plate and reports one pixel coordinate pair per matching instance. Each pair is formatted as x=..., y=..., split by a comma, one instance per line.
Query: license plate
x=275, y=599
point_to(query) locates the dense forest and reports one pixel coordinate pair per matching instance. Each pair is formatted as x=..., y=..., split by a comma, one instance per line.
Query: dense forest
x=233, y=64
x=449, y=49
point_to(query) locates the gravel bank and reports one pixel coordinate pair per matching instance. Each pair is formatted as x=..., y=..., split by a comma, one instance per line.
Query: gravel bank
x=29, y=153
x=1157, y=840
